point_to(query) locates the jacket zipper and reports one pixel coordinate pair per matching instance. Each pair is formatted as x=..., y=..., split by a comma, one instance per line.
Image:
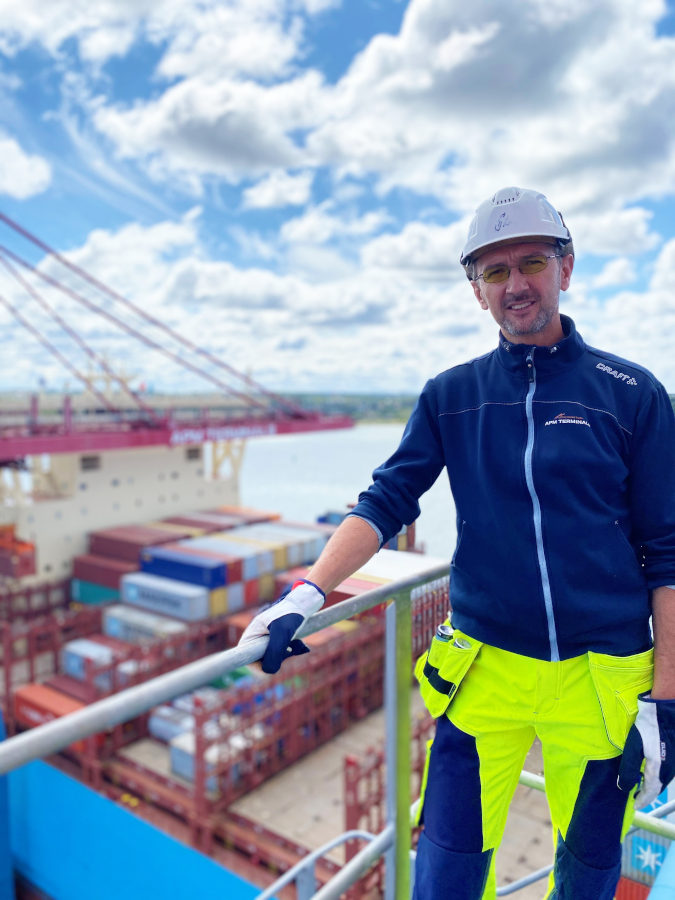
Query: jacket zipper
x=536, y=508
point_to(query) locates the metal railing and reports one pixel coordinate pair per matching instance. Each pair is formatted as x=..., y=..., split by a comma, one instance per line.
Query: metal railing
x=393, y=842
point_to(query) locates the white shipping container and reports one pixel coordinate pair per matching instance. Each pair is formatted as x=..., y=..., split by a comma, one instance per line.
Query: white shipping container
x=182, y=755
x=189, y=602
x=74, y=656
x=126, y=623
x=166, y=722
x=208, y=697
x=235, y=596
x=304, y=544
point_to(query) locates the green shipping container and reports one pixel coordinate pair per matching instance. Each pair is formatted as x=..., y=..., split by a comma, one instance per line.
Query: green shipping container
x=88, y=592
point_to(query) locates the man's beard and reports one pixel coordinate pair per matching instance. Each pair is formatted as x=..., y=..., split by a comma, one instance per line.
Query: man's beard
x=539, y=323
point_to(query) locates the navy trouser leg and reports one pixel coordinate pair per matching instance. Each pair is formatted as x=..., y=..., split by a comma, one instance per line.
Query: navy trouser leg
x=450, y=857
x=588, y=860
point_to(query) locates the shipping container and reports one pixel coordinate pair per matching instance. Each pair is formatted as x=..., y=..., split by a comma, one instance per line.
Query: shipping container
x=179, y=531
x=36, y=704
x=79, y=690
x=272, y=555
x=81, y=656
x=166, y=722
x=204, y=521
x=233, y=564
x=188, y=602
x=254, y=562
x=209, y=521
x=127, y=541
x=304, y=545
x=172, y=562
x=102, y=570
x=126, y=623
x=246, y=515
x=92, y=594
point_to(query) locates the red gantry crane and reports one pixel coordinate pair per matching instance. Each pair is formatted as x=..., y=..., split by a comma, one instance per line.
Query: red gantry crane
x=83, y=433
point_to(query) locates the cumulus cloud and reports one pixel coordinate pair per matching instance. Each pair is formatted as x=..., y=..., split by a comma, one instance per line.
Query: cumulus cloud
x=279, y=189
x=431, y=119
x=21, y=174
x=619, y=271
x=426, y=250
x=231, y=129
x=319, y=225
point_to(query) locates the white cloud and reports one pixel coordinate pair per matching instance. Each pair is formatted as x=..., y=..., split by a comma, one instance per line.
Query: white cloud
x=230, y=129
x=22, y=174
x=279, y=189
x=613, y=231
x=425, y=250
x=319, y=225
x=619, y=271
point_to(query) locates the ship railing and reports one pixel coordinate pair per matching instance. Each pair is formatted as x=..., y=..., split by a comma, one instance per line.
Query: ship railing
x=393, y=842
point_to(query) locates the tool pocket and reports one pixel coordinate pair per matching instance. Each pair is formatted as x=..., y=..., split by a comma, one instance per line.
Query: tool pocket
x=441, y=669
x=618, y=680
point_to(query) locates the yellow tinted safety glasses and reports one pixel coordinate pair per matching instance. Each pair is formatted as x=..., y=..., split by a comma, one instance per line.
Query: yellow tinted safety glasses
x=531, y=265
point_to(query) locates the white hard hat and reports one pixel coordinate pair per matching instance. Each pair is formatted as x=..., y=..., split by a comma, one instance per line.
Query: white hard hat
x=510, y=214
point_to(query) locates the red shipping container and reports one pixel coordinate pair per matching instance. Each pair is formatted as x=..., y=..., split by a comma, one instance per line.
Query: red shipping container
x=35, y=704
x=78, y=690
x=252, y=593
x=127, y=542
x=631, y=890
x=103, y=570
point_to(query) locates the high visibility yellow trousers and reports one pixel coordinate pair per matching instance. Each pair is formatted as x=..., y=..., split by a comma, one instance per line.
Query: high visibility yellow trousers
x=581, y=710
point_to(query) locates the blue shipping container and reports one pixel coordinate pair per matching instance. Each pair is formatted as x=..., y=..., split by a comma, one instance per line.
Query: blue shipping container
x=202, y=570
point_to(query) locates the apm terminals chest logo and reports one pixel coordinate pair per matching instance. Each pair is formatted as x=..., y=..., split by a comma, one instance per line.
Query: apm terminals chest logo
x=565, y=419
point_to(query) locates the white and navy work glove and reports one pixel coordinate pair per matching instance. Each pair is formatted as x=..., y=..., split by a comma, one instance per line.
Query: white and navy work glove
x=651, y=738
x=281, y=620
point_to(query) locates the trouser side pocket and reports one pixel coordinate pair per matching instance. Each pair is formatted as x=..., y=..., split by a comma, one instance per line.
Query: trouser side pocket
x=441, y=669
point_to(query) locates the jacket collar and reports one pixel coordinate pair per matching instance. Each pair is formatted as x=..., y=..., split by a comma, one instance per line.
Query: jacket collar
x=546, y=359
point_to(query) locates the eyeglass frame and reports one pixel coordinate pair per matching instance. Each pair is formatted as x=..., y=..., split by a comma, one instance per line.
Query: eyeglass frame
x=509, y=268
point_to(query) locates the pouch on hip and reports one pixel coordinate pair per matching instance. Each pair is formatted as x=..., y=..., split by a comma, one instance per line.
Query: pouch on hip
x=618, y=680
x=441, y=669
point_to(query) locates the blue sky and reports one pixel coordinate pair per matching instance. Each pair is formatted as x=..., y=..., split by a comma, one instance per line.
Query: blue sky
x=288, y=183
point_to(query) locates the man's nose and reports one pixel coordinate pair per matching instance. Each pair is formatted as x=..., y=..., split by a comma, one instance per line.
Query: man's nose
x=516, y=281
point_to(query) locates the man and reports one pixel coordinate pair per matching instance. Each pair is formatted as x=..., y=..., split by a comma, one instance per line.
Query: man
x=561, y=461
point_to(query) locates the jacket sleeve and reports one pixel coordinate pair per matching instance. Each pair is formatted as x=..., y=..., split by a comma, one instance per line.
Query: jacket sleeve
x=652, y=486
x=392, y=499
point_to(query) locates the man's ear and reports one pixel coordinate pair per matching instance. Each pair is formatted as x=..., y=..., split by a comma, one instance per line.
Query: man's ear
x=477, y=292
x=566, y=266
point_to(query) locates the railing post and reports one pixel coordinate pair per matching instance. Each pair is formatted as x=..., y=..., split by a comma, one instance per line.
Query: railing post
x=398, y=660
x=305, y=883
x=6, y=871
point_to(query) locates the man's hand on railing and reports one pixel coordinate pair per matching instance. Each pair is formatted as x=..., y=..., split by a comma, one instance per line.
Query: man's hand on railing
x=282, y=620
x=651, y=738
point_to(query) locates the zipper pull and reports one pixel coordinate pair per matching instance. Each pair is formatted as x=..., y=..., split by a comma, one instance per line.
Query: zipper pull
x=530, y=367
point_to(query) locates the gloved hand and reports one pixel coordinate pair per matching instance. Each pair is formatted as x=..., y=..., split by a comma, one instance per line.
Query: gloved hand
x=651, y=738
x=281, y=620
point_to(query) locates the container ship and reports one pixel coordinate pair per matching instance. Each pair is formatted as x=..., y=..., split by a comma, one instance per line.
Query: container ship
x=125, y=554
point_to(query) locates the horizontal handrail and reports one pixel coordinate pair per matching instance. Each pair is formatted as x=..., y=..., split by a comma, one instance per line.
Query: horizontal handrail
x=357, y=866
x=120, y=707
x=648, y=821
x=311, y=858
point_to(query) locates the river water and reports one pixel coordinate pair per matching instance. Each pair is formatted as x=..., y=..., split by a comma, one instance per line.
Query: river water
x=303, y=475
